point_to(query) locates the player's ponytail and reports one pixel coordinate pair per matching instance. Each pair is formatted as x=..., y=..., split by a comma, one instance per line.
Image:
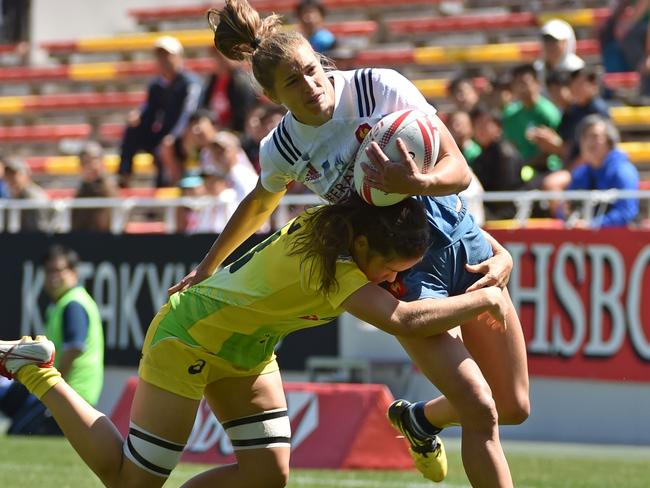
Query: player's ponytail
x=241, y=34
x=397, y=231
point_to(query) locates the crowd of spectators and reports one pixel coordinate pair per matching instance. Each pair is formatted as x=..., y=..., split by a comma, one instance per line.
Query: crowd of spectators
x=520, y=128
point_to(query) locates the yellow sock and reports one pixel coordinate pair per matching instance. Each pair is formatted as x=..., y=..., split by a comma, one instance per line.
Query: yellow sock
x=38, y=380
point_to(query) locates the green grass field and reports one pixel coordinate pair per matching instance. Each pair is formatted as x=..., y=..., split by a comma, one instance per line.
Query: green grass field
x=36, y=462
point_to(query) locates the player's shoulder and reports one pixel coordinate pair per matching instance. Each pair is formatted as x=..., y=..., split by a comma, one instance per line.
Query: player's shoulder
x=376, y=76
x=281, y=144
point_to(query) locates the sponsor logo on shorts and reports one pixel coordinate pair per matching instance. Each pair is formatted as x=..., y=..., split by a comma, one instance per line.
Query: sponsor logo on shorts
x=197, y=367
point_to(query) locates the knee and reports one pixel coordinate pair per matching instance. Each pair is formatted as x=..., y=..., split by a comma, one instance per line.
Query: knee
x=479, y=411
x=515, y=411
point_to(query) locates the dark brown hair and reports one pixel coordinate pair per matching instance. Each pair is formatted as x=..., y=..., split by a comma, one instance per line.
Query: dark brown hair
x=240, y=34
x=396, y=231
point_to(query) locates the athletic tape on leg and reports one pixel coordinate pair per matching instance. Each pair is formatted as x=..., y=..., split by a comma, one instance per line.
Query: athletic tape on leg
x=265, y=430
x=150, y=452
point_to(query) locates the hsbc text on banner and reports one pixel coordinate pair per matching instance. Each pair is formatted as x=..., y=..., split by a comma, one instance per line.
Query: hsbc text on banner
x=584, y=301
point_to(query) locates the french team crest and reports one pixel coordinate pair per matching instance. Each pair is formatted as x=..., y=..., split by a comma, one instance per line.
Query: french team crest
x=396, y=288
x=362, y=132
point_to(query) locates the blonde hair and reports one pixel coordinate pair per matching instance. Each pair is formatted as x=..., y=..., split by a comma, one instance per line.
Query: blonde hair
x=240, y=34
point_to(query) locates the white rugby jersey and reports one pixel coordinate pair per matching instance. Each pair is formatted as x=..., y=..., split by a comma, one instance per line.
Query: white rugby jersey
x=322, y=158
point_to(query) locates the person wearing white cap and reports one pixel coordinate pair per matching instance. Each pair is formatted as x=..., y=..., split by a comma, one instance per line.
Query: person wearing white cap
x=171, y=98
x=558, y=49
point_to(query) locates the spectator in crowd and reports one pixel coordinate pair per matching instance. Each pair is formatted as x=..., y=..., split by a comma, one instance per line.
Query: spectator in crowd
x=625, y=40
x=223, y=198
x=584, y=87
x=523, y=119
x=14, y=21
x=498, y=166
x=227, y=156
x=172, y=97
x=464, y=93
x=605, y=166
x=21, y=186
x=558, y=89
x=499, y=95
x=177, y=152
x=95, y=183
x=460, y=126
x=4, y=189
x=228, y=93
x=259, y=123
x=74, y=325
x=191, y=185
x=558, y=49
x=311, y=16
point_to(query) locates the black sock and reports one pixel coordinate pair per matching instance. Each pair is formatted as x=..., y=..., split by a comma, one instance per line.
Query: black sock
x=419, y=423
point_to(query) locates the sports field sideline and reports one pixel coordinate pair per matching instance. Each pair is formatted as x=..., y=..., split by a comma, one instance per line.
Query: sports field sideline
x=30, y=462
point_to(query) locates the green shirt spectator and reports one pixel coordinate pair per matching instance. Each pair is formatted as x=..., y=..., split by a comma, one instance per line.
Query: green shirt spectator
x=531, y=110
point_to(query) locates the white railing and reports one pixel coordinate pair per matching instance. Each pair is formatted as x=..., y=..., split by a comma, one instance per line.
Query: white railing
x=593, y=203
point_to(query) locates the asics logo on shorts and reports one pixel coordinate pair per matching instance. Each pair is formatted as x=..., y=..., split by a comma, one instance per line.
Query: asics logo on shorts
x=197, y=367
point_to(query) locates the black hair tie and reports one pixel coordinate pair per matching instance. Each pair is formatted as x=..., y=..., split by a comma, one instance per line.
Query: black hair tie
x=255, y=43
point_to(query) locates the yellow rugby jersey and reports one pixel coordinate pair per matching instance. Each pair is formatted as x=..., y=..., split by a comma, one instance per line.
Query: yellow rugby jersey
x=242, y=311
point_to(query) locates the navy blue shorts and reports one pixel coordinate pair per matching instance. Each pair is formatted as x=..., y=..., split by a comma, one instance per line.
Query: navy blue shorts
x=442, y=273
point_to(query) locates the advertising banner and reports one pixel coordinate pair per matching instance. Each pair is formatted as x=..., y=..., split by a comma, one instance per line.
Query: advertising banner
x=334, y=426
x=584, y=301
x=128, y=276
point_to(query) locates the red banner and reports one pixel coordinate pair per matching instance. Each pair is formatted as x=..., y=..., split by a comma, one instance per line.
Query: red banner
x=584, y=301
x=333, y=426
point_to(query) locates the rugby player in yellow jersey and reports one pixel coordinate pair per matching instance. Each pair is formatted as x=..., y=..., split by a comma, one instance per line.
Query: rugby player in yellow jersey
x=217, y=339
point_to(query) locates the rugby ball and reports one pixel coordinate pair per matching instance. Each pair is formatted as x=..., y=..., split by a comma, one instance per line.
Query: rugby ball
x=420, y=134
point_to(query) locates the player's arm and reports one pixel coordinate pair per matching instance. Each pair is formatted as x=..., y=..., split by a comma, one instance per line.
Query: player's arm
x=252, y=212
x=75, y=332
x=427, y=317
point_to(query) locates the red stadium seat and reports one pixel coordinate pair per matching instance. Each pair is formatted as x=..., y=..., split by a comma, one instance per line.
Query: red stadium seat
x=44, y=133
x=70, y=102
x=461, y=23
x=152, y=15
x=93, y=72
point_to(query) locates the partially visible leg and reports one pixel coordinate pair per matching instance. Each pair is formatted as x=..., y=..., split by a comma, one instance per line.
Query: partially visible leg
x=447, y=364
x=245, y=399
x=97, y=440
x=90, y=432
x=502, y=360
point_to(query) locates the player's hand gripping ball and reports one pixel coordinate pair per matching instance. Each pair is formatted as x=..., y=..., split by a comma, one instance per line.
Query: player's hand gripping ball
x=419, y=133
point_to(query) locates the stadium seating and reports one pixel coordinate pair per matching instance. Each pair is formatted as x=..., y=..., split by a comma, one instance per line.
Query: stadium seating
x=144, y=192
x=486, y=54
x=155, y=15
x=494, y=21
x=44, y=133
x=69, y=102
x=92, y=72
x=69, y=165
x=191, y=39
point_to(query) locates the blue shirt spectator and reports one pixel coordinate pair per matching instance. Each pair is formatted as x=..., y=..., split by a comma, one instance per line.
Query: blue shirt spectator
x=605, y=167
x=311, y=14
x=171, y=98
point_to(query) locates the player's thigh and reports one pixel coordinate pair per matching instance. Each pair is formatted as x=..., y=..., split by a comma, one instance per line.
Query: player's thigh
x=239, y=397
x=163, y=415
x=446, y=362
x=502, y=359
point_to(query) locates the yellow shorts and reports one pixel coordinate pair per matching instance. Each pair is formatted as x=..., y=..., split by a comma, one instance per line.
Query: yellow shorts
x=172, y=364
